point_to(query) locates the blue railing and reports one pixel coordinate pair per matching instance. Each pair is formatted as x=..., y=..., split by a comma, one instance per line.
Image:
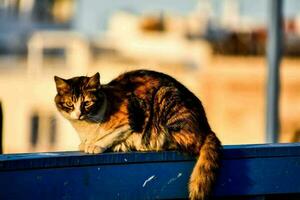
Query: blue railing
x=247, y=172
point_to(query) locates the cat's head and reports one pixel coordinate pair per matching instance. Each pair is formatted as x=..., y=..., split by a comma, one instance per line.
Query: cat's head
x=80, y=98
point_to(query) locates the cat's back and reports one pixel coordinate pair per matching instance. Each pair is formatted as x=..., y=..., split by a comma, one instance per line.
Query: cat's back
x=145, y=83
x=141, y=76
x=147, y=80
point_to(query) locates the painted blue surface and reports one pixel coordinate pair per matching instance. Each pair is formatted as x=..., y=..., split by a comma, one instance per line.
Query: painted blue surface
x=247, y=170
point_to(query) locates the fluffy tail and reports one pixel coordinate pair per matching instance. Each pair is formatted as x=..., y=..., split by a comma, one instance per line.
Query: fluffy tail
x=204, y=172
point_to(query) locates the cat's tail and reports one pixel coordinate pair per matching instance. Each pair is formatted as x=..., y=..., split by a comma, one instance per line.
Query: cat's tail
x=204, y=172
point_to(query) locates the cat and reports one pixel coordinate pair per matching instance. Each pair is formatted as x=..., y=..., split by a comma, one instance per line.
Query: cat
x=141, y=110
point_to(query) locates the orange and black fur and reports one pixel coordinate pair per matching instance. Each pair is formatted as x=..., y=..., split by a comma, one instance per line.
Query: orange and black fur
x=142, y=111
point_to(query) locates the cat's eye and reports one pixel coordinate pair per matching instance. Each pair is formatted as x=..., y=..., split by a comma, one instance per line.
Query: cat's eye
x=88, y=104
x=69, y=104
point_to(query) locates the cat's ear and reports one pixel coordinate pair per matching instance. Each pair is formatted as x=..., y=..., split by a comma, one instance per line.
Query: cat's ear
x=94, y=82
x=61, y=85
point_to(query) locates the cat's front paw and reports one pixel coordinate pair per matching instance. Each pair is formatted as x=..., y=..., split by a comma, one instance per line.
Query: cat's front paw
x=93, y=149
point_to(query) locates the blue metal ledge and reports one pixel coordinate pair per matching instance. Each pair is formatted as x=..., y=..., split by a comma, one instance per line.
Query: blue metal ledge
x=247, y=171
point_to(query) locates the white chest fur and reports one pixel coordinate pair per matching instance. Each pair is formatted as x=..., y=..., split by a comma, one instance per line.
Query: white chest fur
x=86, y=131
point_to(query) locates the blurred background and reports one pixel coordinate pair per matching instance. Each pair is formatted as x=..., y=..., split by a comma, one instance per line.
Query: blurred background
x=216, y=48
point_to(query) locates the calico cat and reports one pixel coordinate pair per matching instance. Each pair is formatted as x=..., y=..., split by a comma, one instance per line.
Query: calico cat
x=141, y=111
